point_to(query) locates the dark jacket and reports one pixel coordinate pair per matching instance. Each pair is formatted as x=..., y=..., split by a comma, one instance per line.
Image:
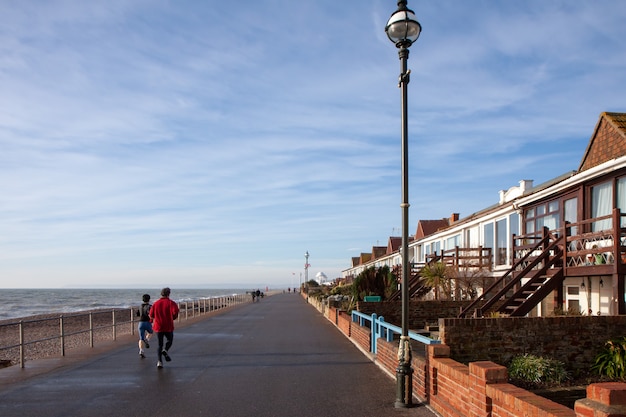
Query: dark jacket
x=144, y=312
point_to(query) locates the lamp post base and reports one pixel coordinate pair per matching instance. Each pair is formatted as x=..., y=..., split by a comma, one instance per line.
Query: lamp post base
x=404, y=389
x=404, y=375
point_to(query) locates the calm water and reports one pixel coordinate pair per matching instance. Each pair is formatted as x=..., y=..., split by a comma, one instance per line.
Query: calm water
x=15, y=303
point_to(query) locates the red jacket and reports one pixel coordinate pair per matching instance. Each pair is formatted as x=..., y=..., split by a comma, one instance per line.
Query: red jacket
x=163, y=313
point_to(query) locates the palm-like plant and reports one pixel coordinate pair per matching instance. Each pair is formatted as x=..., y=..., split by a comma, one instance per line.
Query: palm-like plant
x=374, y=281
x=436, y=276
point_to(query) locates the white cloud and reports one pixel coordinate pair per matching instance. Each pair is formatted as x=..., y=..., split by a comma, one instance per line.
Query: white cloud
x=143, y=140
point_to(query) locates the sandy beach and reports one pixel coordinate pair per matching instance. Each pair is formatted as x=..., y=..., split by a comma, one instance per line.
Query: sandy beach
x=46, y=329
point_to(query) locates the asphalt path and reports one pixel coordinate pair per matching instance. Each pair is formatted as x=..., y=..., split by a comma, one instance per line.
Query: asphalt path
x=276, y=357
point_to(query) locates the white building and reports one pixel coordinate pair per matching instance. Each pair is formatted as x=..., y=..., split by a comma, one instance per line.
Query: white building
x=558, y=245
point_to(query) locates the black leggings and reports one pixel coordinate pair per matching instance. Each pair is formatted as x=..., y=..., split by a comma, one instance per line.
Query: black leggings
x=169, y=336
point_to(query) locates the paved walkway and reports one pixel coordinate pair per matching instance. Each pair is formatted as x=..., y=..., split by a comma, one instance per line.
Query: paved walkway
x=277, y=357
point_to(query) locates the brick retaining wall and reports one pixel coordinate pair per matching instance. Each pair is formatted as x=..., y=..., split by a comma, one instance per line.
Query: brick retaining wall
x=480, y=388
x=574, y=340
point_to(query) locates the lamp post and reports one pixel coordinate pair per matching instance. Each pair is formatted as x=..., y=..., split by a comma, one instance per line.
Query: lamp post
x=403, y=29
x=306, y=273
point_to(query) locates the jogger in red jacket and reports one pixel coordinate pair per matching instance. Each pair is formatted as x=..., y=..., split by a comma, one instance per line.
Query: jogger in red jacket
x=163, y=313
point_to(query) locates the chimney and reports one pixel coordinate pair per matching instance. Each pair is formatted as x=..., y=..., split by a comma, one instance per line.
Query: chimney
x=454, y=218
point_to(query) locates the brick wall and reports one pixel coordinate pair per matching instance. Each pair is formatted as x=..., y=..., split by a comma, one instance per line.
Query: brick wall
x=573, y=340
x=387, y=357
x=332, y=313
x=344, y=323
x=480, y=388
x=607, y=399
x=449, y=383
x=361, y=336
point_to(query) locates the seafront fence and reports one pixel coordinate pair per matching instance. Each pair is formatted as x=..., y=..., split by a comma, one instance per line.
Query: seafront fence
x=22, y=340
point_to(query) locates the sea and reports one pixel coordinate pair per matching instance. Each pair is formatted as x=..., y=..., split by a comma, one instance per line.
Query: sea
x=20, y=303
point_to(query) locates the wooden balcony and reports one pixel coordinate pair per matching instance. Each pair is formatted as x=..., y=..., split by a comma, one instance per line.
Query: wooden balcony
x=591, y=247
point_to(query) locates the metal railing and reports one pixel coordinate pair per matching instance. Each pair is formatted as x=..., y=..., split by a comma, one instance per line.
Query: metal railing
x=381, y=329
x=30, y=339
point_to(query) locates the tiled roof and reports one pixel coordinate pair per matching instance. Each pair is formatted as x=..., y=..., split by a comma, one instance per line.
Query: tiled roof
x=428, y=227
x=394, y=244
x=618, y=120
x=607, y=142
x=378, y=251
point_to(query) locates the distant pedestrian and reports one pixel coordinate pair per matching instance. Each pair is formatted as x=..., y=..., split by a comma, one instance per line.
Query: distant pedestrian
x=145, y=325
x=258, y=295
x=163, y=313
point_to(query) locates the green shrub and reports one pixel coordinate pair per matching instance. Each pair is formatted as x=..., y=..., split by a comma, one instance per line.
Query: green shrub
x=537, y=371
x=611, y=362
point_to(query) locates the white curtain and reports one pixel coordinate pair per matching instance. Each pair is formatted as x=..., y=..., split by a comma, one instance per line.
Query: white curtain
x=601, y=205
x=621, y=198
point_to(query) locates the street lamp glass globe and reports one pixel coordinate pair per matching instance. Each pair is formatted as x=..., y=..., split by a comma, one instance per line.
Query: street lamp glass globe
x=403, y=28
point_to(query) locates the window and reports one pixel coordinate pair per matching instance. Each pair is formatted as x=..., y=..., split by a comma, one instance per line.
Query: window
x=601, y=205
x=501, y=242
x=453, y=241
x=514, y=224
x=621, y=198
x=472, y=237
x=543, y=215
x=436, y=247
x=488, y=236
x=573, y=299
x=570, y=213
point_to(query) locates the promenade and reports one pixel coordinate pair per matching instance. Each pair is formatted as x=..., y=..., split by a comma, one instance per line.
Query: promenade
x=277, y=357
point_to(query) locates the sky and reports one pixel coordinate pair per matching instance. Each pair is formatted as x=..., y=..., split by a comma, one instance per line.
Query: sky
x=211, y=144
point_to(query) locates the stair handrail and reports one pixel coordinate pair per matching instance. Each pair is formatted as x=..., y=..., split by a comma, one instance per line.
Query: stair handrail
x=542, y=242
x=415, y=277
x=549, y=262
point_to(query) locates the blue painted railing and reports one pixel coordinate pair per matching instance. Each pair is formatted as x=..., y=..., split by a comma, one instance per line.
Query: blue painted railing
x=380, y=328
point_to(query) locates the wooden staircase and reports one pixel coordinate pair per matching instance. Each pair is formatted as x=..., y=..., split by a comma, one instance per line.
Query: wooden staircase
x=417, y=284
x=542, y=268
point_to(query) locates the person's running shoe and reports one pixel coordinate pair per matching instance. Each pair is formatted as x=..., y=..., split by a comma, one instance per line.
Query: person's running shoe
x=159, y=365
x=147, y=344
x=166, y=356
x=142, y=355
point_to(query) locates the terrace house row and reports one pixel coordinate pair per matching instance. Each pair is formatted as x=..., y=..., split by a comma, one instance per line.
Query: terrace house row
x=558, y=245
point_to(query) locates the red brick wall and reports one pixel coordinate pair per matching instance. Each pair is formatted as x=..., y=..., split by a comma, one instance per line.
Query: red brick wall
x=607, y=399
x=574, y=340
x=508, y=400
x=361, y=335
x=344, y=322
x=331, y=314
x=480, y=389
x=387, y=355
x=449, y=384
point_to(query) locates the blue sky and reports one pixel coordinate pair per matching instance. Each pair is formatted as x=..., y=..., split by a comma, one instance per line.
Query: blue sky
x=208, y=143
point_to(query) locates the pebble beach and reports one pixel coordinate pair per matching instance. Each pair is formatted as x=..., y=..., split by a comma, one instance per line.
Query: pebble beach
x=46, y=328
